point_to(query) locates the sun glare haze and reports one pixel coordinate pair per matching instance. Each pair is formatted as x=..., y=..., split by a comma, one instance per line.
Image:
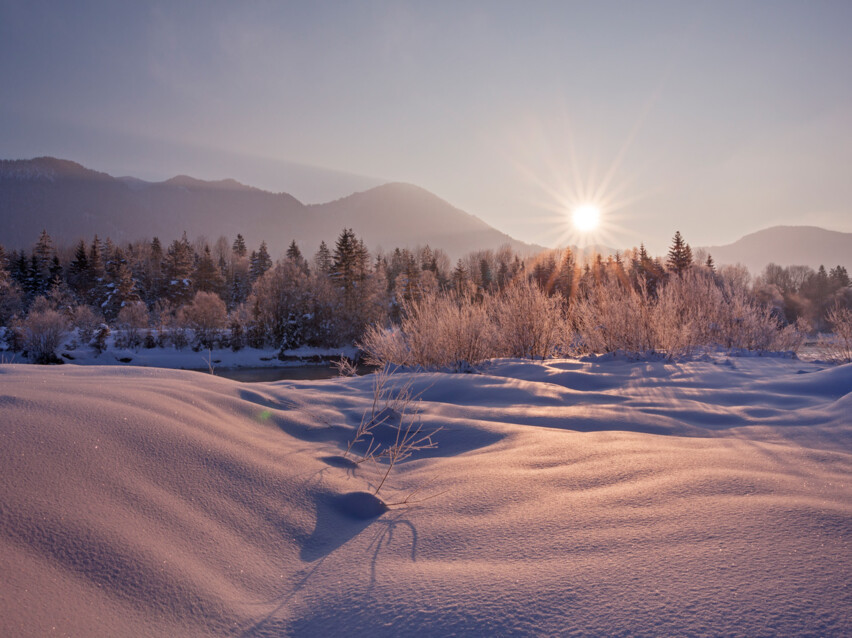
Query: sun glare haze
x=586, y=218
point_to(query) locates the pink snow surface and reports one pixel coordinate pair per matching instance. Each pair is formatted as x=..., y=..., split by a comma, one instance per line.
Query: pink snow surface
x=566, y=497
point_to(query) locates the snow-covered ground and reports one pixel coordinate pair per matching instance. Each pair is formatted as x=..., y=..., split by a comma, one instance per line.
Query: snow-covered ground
x=597, y=497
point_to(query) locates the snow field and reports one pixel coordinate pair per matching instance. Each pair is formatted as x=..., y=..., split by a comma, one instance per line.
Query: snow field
x=605, y=497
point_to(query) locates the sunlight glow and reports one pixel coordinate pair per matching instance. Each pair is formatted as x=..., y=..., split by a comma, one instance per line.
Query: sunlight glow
x=586, y=218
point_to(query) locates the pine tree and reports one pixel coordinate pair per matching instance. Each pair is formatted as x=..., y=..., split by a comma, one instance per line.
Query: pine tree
x=78, y=271
x=40, y=266
x=322, y=259
x=239, y=246
x=260, y=262
x=122, y=288
x=459, y=279
x=35, y=285
x=680, y=255
x=55, y=272
x=153, y=284
x=178, y=267
x=207, y=276
x=349, y=266
x=19, y=268
x=839, y=277
x=710, y=264
x=295, y=255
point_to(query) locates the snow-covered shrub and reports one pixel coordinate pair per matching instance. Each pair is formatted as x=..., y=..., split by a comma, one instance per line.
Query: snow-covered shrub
x=445, y=332
x=436, y=331
x=99, y=338
x=42, y=333
x=85, y=321
x=613, y=316
x=382, y=346
x=528, y=322
x=687, y=313
x=131, y=321
x=838, y=347
x=206, y=316
x=11, y=300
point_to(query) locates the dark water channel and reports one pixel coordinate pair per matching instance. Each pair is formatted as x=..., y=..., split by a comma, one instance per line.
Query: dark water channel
x=294, y=373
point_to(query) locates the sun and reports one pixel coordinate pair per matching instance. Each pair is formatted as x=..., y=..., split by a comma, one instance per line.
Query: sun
x=586, y=218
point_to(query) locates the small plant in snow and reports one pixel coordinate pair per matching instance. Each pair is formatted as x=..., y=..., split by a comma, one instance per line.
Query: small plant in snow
x=399, y=410
x=345, y=366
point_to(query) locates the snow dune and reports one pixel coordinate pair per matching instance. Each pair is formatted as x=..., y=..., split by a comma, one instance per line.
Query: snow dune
x=568, y=497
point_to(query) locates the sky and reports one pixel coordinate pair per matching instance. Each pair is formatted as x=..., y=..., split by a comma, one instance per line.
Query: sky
x=713, y=118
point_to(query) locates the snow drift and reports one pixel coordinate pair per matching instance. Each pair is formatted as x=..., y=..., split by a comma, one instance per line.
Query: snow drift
x=607, y=497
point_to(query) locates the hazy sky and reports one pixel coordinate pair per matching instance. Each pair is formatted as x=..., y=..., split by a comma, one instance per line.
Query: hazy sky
x=715, y=118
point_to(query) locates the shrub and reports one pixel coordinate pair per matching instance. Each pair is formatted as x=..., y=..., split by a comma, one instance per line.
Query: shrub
x=613, y=316
x=529, y=323
x=42, y=332
x=436, y=331
x=132, y=320
x=206, y=316
x=85, y=321
x=838, y=348
x=99, y=338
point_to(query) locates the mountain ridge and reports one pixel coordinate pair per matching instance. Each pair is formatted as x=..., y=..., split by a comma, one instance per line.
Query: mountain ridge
x=787, y=245
x=73, y=202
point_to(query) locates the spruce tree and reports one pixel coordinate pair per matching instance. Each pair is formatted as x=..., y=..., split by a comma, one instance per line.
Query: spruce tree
x=680, y=255
x=349, y=266
x=239, y=246
x=207, y=276
x=178, y=267
x=322, y=259
x=260, y=262
x=295, y=255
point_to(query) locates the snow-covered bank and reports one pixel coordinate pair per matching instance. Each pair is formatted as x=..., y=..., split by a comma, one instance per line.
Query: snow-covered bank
x=189, y=359
x=596, y=497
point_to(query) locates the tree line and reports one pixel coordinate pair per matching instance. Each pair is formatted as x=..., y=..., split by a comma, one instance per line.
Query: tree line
x=202, y=295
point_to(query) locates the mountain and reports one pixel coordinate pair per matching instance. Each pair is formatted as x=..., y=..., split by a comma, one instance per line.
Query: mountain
x=73, y=202
x=787, y=246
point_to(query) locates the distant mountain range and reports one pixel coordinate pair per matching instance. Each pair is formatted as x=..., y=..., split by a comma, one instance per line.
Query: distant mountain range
x=73, y=202
x=787, y=246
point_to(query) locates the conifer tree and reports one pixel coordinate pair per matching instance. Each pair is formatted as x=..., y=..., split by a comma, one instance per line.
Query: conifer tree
x=56, y=272
x=680, y=255
x=178, y=267
x=349, y=266
x=260, y=262
x=239, y=246
x=295, y=255
x=322, y=259
x=207, y=276
x=78, y=270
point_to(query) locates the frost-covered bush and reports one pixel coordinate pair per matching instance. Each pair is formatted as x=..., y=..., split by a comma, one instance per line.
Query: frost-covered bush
x=85, y=321
x=11, y=300
x=42, y=333
x=384, y=345
x=99, y=338
x=697, y=309
x=838, y=346
x=436, y=331
x=132, y=320
x=206, y=316
x=613, y=316
x=528, y=322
